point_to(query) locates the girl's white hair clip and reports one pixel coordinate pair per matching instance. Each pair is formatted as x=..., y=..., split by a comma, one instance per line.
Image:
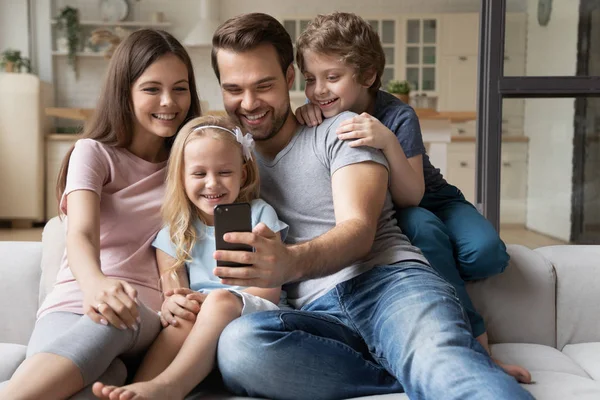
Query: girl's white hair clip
x=246, y=140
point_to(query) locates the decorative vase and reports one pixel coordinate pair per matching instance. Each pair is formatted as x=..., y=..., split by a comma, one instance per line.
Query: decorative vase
x=405, y=98
x=9, y=66
x=62, y=44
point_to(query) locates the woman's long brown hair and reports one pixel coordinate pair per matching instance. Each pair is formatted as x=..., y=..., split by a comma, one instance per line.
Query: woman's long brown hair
x=113, y=121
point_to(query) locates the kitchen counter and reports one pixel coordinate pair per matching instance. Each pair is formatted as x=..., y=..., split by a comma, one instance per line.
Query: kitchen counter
x=472, y=139
x=62, y=137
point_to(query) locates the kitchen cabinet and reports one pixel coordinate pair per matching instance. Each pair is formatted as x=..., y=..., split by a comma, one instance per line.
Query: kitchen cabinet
x=458, y=83
x=57, y=146
x=460, y=34
x=459, y=62
x=461, y=167
x=23, y=125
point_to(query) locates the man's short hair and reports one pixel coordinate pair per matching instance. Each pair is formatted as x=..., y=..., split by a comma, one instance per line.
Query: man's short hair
x=348, y=36
x=248, y=31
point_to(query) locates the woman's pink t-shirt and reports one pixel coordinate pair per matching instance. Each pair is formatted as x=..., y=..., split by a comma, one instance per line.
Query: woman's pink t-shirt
x=131, y=192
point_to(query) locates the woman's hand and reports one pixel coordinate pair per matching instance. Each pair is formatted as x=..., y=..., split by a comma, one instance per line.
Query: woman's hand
x=183, y=303
x=108, y=300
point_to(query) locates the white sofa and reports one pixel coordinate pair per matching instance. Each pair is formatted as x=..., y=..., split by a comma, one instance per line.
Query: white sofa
x=543, y=312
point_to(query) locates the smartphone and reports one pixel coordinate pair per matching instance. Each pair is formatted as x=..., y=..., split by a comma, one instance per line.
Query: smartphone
x=235, y=217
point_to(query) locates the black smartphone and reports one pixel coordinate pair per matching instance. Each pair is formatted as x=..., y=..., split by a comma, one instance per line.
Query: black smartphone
x=235, y=217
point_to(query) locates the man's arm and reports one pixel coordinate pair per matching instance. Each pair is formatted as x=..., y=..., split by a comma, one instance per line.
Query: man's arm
x=359, y=192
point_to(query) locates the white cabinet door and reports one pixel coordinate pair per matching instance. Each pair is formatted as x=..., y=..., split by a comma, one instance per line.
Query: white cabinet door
x=458, y=83
x=515, y=34
x=513, y=183
x=461, y=164
x=461, y=168
x=514, y=65
x=55, y=153
x=460, y=34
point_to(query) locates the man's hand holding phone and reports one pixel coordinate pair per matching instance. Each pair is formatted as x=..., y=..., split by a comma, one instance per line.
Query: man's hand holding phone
x=271, y=263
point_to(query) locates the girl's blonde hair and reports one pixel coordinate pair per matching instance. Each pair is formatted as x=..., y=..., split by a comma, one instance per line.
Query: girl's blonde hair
x=178, y=212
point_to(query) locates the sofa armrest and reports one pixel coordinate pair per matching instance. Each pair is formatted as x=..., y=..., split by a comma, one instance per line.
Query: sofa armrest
x=519, y=305
x=577, y=292
x=53, y=244
x=20, y=272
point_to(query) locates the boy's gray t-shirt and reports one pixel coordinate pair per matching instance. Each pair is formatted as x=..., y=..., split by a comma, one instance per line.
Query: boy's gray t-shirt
x=297, y=183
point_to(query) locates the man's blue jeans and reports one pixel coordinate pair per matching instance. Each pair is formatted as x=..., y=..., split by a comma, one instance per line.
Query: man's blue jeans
x=392, y=329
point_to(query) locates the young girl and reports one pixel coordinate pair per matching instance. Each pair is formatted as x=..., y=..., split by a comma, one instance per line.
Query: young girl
x=211, y=164
x=110, y=189
x=342, y=60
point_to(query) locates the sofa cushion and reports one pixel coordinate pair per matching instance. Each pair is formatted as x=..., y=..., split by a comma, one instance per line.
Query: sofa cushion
x=587, y=355
x=53, y=243
x=537, y=358
x=571, y=374
x=577, y=293
x=526, y=312
x=559, y=386
x=12, y=356
x=20, y=272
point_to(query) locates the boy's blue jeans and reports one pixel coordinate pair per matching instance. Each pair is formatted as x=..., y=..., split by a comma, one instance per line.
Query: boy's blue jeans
x=457, y=241
x=392, y=329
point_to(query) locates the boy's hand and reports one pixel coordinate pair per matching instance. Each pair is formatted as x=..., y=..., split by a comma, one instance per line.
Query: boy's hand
x=365, y=130
x=309, y=114
x=183, y=303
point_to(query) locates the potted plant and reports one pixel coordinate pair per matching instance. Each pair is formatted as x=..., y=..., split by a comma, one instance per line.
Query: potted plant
x=68, y=19
x=12, y=61
x=400, y=89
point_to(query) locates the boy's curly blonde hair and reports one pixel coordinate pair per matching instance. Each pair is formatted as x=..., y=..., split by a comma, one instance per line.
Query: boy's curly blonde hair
x=350, y=37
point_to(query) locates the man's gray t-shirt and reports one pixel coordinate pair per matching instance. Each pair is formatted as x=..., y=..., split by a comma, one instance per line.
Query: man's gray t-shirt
x=297, y=183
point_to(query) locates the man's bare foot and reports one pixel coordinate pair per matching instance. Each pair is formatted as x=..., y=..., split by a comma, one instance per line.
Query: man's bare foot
x=516, y=371
x=137, y=391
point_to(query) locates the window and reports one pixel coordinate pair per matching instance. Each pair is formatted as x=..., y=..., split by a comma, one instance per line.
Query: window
x=421, y=54
x=295, y=27
x=386, y=28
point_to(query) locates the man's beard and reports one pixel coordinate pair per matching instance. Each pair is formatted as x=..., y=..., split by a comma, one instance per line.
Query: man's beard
x=278, y=123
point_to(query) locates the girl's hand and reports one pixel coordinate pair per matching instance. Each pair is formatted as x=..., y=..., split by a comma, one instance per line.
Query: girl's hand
x=183, y=303
x=113, y=301
x=309, y=114
x=365, y=130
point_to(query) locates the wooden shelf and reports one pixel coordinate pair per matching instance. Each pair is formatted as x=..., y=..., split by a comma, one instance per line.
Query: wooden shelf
x=79, y=114
x=99, y=54
x=63, y=137
x=123, y=23
x=453, y=116
x=471, y=139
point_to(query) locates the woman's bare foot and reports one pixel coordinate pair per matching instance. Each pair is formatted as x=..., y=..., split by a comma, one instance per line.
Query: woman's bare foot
x=516, y=371
x=137, y=391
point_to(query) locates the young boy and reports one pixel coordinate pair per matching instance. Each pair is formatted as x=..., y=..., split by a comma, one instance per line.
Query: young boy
x=342, y=60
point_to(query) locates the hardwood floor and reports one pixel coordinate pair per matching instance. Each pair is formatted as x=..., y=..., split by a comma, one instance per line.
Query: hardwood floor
x=510, y=234
x=21, y=235
x=520, y=235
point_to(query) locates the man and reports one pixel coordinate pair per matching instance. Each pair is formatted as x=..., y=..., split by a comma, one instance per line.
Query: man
x=373, y=317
